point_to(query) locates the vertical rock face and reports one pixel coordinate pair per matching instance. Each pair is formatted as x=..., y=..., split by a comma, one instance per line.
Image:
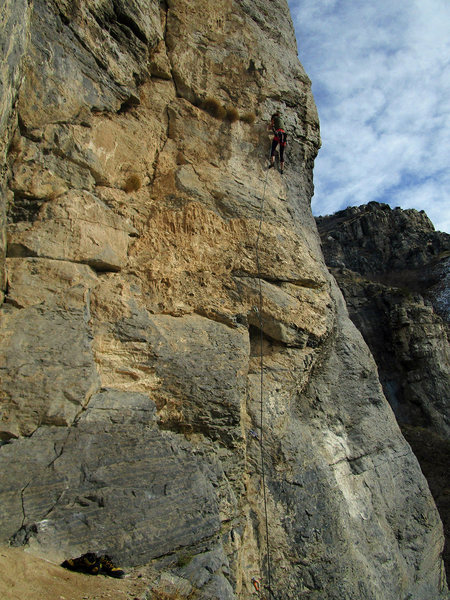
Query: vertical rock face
x=393, y=269
x=392, y=266
x=143, y=232
x=14, y=27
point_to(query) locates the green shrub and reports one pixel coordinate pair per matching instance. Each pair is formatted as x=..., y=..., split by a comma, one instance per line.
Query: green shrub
x=214, y=108
x=184, y=559
x=132, y=184
x=232, y=115
x=248, y=118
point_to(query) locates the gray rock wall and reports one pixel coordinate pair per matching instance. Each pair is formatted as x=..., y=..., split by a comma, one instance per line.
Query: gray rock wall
x=14, y=31
x=131, y=329
x=392, y=267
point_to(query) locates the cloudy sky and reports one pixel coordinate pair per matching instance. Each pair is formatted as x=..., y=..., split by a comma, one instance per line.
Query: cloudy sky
x=381, y=81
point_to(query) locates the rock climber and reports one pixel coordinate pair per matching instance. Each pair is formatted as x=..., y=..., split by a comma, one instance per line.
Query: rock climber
x=280, y=136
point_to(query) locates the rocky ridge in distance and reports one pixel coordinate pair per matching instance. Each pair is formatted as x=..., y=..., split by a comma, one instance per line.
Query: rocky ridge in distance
x=393, y=269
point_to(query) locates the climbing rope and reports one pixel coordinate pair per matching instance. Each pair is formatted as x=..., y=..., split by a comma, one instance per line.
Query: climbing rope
x=261, y=387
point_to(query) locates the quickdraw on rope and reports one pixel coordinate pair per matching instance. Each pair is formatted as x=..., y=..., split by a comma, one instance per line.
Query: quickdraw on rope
x=255, y=582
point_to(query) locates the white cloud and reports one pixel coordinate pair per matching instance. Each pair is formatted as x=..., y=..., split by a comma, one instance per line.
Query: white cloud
x=381, y=80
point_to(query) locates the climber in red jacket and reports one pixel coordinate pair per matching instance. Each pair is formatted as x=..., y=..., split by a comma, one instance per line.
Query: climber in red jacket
x=280, y=136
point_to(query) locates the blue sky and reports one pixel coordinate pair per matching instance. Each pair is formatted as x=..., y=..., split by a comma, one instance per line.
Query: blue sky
x=380, y=75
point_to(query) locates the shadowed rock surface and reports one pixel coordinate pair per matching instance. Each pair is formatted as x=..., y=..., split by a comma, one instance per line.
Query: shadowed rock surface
x=131, y=325
x=393, y=269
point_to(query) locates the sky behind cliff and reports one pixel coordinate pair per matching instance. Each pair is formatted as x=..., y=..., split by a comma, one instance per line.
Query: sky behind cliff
x=381, y=80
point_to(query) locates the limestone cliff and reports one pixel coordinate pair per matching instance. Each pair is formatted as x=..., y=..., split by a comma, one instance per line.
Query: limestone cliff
x=393, y=269
x=143, y=230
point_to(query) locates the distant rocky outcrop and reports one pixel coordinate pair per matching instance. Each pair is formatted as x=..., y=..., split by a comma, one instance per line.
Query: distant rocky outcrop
x=141, y=229
x=393, y=269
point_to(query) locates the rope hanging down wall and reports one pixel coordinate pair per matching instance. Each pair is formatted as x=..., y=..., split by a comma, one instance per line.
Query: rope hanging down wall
x=261, y=365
